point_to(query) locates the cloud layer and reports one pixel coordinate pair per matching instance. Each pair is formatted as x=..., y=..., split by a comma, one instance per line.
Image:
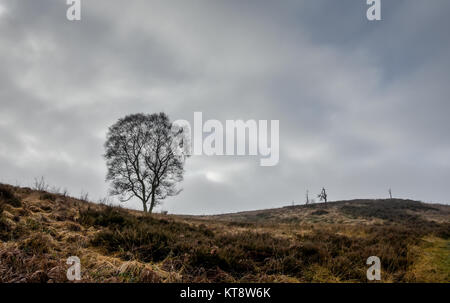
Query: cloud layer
x=362, y=106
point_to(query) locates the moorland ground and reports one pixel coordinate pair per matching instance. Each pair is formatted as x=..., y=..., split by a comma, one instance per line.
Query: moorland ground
x=310, y=243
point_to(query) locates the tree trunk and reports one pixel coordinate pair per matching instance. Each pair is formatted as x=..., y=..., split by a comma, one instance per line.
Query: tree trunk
x=152, y=202
x=145, y=206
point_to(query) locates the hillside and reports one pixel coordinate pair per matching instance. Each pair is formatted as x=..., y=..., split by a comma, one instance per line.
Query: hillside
x=356, y=211
x=315, y=243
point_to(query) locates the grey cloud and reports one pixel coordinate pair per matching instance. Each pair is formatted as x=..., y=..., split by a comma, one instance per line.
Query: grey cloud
x=362, y=106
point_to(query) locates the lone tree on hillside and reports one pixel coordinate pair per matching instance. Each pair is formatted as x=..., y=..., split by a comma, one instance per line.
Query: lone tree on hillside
x=144, y=159
x=323, y=195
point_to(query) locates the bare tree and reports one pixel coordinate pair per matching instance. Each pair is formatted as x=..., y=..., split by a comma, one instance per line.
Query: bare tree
x=65, y=192
x=144, y=159
x=323, y=195
x=84, y=196
x=40, y=184
x=307, y=197
x=390, y=193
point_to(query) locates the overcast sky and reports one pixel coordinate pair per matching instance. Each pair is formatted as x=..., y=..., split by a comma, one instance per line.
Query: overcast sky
x=363, y=106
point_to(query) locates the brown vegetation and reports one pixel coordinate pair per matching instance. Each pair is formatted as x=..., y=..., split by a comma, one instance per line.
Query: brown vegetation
x=314, y=243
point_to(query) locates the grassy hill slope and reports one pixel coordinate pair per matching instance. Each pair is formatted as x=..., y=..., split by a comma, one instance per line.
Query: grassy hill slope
x=318, y=243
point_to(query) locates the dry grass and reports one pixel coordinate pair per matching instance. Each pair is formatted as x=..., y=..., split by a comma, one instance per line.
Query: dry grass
x=318, y=243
